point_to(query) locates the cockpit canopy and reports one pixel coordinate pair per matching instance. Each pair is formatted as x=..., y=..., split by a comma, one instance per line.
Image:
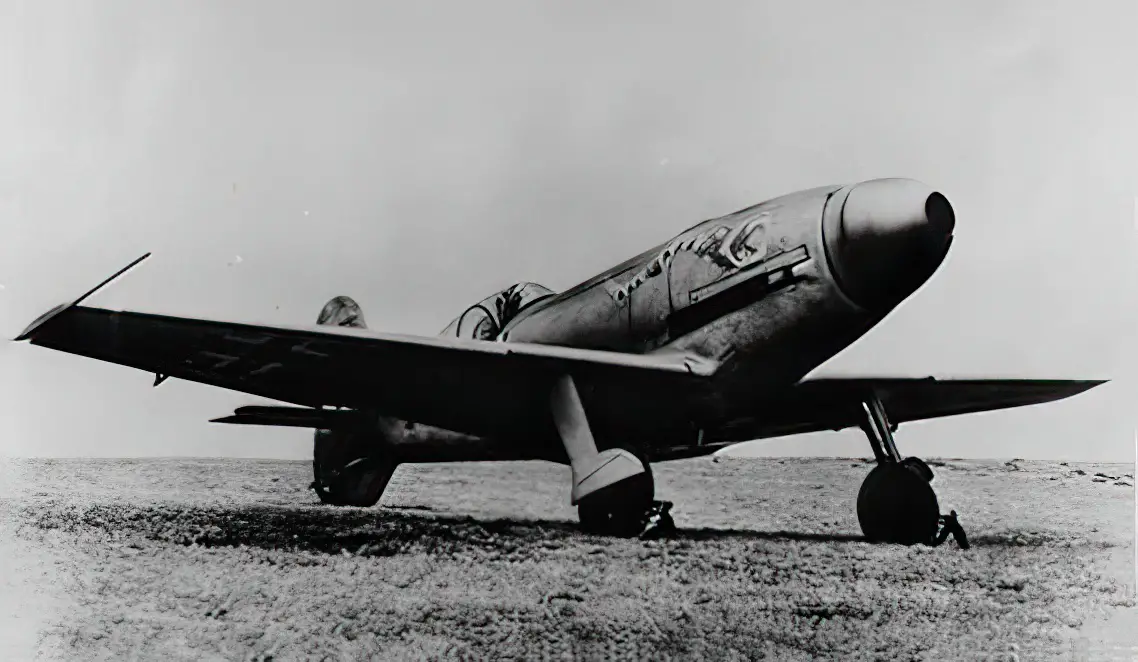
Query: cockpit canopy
x=486, y=319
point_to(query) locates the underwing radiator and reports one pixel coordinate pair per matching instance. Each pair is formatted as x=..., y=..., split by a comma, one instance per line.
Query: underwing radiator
x=294, y=417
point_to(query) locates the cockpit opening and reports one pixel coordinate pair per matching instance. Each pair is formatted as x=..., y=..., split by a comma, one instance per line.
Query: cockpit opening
x=486, y=319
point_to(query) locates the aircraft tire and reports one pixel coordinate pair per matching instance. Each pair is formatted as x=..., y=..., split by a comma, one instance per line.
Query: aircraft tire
x=347, y=470
x=360, y=485
x=326, y=496
x=919, y=465
x=896, y=504
x=620, y=509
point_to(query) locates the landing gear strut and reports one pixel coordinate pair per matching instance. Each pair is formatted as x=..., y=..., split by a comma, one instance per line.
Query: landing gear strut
x=612, y=489
x=896, y=503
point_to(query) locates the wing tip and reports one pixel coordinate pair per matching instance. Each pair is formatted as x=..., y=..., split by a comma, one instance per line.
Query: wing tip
x=1087, y=384
x=29, y=332
x=36, y=324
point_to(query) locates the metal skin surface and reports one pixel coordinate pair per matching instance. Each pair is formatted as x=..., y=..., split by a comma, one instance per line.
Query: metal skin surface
x=755, y=289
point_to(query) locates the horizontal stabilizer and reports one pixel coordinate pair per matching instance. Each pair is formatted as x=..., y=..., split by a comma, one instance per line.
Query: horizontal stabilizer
x=294, y=417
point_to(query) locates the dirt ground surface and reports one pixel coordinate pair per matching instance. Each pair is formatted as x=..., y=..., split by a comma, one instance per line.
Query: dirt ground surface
x=235, y=560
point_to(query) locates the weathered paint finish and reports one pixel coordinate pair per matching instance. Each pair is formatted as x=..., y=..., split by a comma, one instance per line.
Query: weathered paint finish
x=590, y=318
x=802, y=319
x=649, y=307
x=627, y=308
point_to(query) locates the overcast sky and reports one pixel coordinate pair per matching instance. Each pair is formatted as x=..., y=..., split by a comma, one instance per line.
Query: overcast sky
x=419, y=156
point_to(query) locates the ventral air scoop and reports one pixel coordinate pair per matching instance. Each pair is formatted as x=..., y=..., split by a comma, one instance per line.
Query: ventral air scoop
x=886, y=238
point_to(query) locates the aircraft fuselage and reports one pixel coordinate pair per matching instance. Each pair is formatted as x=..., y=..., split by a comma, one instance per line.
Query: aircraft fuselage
x=772, y=291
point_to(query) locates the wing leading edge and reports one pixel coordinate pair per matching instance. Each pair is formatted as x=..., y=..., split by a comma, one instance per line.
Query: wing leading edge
x=476, y=387
x=834, y=403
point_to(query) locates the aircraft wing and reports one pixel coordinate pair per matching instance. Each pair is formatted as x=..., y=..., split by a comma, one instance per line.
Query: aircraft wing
x=470, y=386
x=834, y=403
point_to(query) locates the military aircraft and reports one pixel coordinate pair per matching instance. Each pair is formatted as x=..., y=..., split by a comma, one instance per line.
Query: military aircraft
x=701, y=342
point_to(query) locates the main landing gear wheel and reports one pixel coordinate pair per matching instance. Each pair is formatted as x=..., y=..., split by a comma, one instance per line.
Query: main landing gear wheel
x=360, y=483
x=620, y=509
x=918, y=465
x=343, y=474
x=613, y=489
x=896, y=504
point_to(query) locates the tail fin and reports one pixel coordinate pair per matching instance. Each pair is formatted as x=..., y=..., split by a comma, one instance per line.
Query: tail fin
x=342, y=311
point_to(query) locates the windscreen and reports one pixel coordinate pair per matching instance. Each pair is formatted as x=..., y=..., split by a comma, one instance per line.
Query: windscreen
x=486, y=319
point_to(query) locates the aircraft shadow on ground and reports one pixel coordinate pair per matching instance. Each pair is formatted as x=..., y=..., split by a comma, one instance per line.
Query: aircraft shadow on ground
x=743, y=534
x=388, y=531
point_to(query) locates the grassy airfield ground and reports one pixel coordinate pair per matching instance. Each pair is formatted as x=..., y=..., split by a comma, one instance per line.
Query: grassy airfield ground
x=234, y=559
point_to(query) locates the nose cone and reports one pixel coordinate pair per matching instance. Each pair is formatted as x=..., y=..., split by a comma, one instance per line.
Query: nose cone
x=888, y=239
